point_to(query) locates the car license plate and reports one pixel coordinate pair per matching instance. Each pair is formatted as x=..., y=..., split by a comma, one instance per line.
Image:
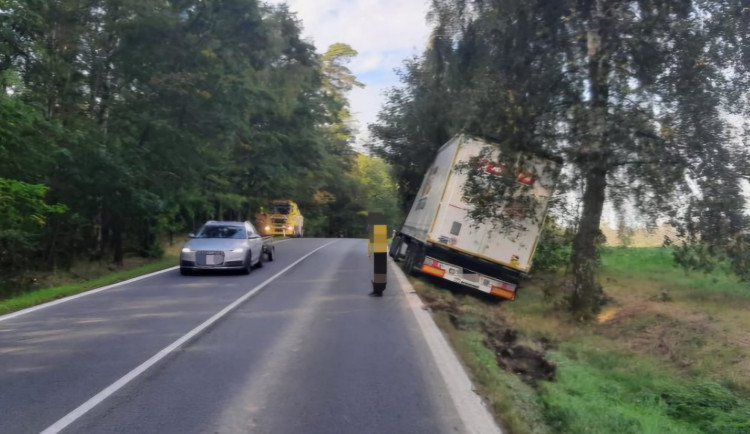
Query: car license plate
x=214, y=259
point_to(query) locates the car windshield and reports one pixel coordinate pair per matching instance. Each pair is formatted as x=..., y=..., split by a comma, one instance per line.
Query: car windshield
x=222, y=231
x=281, y=209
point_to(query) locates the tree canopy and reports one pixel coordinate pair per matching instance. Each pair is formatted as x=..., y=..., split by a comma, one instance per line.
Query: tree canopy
x=124, y=120
x=634, y=95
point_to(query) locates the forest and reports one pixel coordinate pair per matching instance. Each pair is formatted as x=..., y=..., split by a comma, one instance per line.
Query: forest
x=126, y=123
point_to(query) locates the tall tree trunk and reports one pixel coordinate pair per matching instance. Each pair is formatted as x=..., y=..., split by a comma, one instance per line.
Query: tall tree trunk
x=106, y=232
x=99, y=228
x=105, y=95
x=117, y=241
x=587, y=295
x=50, y=256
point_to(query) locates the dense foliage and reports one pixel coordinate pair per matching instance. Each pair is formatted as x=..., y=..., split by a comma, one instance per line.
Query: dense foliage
x=634, y=95
x=553, y=250
x=124, y=120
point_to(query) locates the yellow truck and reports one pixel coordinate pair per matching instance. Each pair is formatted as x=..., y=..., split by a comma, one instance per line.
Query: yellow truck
x=283, y=218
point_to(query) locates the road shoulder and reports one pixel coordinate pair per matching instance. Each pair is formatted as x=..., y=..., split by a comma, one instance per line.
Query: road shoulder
x=471, y=409
x=57, y=297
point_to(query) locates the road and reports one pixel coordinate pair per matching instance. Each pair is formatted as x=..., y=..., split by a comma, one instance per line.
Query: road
x=308, y=352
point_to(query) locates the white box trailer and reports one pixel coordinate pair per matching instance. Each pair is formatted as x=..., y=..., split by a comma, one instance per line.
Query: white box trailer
x=439, y=238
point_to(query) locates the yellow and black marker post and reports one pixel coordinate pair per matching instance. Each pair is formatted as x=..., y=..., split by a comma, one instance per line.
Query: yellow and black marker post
x=378, y=252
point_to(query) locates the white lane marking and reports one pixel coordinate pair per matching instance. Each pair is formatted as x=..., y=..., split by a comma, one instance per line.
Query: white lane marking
x=92, y=291
x=471, y=409
x=130, y=376
x=82, y=294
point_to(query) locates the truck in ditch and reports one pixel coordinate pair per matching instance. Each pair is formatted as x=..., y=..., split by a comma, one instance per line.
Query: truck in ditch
x=439, y=236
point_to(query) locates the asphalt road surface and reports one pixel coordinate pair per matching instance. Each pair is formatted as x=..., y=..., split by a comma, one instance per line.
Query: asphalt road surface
x=309, y=352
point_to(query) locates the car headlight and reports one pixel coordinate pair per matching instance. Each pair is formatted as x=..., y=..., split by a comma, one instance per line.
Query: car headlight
x=186, y=250
x=238, y=250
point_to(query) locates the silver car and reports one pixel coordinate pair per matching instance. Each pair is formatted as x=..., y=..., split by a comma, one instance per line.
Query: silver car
x=223, y=246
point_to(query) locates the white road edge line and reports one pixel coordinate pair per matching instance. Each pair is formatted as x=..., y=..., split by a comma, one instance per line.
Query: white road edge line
x=130, y=376
x=82, y=294
x=92, y=291
x=471, y=409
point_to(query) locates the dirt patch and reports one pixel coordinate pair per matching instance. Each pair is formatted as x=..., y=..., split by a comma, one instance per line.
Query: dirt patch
x=440, y=304
x=658, y=330
x=742, y=340
x=522, y=360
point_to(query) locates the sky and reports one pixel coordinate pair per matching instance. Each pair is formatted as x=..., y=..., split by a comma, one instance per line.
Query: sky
x=384, y=32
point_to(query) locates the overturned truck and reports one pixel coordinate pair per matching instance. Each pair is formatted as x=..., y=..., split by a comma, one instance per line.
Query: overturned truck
x=440, y=238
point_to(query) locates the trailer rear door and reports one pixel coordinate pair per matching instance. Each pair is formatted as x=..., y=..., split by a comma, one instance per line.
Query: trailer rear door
x=453, y=227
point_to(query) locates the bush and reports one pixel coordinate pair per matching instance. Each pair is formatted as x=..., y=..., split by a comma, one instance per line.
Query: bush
x=554, y=247
x=23, y=213
x=316, y=225
x=697, y=256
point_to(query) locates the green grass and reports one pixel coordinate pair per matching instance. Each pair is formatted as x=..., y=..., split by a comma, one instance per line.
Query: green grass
x=602, y=391
x=641, y=260
x=40, y=296
x=518, y=403
x=657, y=366
x=658, y=264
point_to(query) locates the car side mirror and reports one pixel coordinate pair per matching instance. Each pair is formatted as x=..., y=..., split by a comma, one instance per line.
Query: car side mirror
x=191, y=235
x=252, y=236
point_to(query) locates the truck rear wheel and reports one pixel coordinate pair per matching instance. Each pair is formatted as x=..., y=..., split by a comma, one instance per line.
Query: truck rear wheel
x=414, y=257
x=395, y=247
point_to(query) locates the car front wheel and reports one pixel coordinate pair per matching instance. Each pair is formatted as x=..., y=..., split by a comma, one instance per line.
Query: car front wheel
x=248, y=264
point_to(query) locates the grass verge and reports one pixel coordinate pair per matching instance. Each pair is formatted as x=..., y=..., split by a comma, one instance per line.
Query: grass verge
x=669, y=354
x=44, y=295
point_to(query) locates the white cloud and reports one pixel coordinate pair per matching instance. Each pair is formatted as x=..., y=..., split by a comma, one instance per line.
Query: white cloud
x=368, y=62
x=384, y=32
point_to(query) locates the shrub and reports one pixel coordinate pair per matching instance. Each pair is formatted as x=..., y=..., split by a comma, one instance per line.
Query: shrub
x=554, y=247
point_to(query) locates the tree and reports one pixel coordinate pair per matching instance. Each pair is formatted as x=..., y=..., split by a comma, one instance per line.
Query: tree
x=24, y=213
x=413, y=123
x=632, y=94
x=377, y=191
x=145, y=118
x=337, y=78
x=335, y=205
